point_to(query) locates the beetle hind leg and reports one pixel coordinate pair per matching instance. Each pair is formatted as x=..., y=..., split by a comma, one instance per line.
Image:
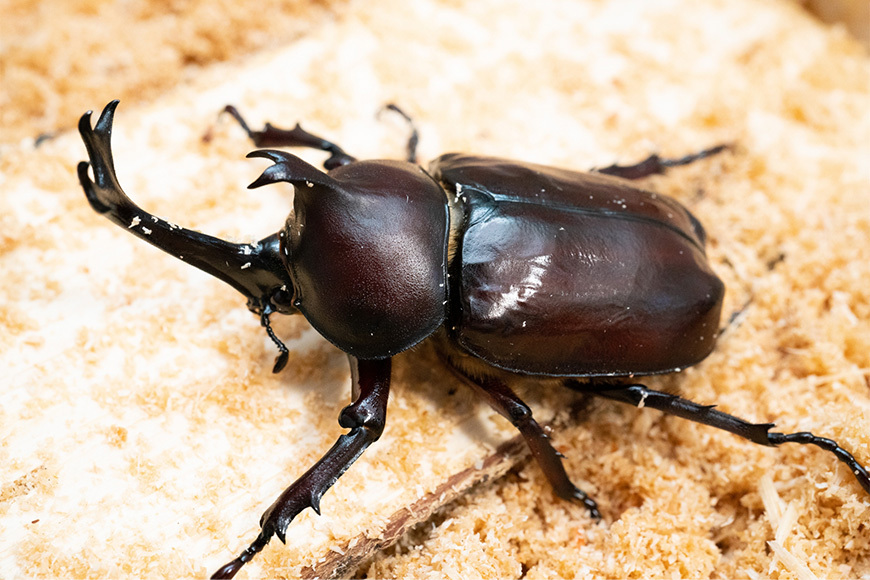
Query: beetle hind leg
x=271, y=136
x=654, y=165
x=642, y=396
x=501, y=398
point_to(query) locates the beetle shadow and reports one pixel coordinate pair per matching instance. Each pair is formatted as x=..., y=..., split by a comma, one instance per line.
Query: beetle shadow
x=422, y=372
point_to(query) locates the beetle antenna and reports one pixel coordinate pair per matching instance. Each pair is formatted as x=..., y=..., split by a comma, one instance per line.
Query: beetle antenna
x=414, y=139
x=281, y=359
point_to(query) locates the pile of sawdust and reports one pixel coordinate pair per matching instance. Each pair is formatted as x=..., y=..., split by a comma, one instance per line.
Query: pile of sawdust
x=141, y=432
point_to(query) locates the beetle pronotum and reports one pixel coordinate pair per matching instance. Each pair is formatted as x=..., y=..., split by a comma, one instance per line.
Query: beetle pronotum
x=509, y=267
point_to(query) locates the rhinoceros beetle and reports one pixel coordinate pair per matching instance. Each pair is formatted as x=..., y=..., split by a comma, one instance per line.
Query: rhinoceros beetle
x=510, y=268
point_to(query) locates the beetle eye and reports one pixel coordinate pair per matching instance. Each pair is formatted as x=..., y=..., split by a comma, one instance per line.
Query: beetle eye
x=282, y=300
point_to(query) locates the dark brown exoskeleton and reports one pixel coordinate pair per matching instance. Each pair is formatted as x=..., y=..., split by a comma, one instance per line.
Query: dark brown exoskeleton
x=512, y=268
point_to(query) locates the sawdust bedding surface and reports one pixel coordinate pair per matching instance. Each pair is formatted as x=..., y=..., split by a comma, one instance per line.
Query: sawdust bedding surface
x=141, y=432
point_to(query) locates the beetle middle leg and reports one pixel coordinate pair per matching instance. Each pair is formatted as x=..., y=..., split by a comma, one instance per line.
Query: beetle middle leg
x=501, y=398
x=642, y=396
x=365, y=418
x=654, y=164
x=271, y=136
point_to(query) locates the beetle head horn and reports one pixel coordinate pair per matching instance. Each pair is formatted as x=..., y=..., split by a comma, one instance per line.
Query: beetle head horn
x=256, y=269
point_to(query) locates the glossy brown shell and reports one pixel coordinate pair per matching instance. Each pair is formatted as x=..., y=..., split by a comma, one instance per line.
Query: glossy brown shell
x=366, y=248
x=576, y=274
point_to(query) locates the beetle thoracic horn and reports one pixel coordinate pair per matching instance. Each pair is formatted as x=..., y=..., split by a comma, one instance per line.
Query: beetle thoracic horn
x=288, y=167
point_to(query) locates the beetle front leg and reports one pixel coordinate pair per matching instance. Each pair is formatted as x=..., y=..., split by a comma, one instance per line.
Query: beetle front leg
x=654, y=164
x=501, y=398
x=642, y=396
x=365, y=418
x=271, y=136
